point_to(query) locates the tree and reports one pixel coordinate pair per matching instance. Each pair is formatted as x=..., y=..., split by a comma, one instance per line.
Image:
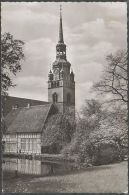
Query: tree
x=11, y=56
x=92, y=110
x=114, y=81
x=80, y=145
x=58, y=130
x=101, y=134
x=110, y=131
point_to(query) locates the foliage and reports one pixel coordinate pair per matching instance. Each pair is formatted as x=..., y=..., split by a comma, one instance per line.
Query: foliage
x=58, y=130
x=11, y=56
x=91, y=107
x=114, y=80
x=101, y=134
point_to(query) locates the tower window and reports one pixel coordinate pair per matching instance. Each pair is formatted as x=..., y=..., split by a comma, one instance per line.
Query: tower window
x=55, y=98
x=68, y=98
x=57, y=84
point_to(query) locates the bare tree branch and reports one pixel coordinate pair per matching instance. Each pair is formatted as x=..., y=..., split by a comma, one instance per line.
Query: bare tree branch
x=114, y=81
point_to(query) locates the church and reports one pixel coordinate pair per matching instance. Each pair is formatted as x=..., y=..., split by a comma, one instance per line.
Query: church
x=36, y=127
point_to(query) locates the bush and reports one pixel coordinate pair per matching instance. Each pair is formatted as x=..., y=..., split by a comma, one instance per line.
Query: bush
x=89, y=153
x=106, y=153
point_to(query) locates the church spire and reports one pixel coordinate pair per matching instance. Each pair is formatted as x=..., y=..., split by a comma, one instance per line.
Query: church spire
x=61, y=47
x=61, y=84
x=61, y=40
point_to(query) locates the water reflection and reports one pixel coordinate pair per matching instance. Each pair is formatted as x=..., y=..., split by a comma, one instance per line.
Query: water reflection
x=26, y=166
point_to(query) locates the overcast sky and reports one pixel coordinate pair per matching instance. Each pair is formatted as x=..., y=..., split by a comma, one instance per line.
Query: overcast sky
x=91, y=31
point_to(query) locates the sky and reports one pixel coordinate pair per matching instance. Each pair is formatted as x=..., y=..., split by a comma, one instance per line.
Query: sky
x=92, y=30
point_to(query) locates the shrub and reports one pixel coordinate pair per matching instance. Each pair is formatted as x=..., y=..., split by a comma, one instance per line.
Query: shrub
x=106, y=153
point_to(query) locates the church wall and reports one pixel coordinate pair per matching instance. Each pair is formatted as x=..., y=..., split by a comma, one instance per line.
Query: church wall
x=59, y=92
x=62, y=94
x=70, y=91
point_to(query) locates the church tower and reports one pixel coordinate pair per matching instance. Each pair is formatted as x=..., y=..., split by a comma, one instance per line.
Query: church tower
x=61, y=84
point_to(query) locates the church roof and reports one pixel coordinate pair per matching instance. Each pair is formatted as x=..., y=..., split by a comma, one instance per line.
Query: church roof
x=27, y=120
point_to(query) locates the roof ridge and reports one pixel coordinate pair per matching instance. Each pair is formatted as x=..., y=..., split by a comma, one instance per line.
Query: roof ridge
x=24, y=98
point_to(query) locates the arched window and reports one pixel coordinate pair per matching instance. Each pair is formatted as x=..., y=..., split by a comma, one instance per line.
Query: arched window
x=55, y=98
x=68, y=98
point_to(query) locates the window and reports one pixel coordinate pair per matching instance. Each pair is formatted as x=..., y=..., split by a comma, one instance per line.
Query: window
x=29, y=144
x=55, y=98
x=23, y=144
x=7, y=147
x=34, y=144
x=68, y=98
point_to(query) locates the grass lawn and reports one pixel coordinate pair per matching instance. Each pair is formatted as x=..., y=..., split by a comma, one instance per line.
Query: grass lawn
x=105, y=178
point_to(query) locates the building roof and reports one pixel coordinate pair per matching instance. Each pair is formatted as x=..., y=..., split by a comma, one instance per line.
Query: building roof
x=11, y=101
x=27, y=120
